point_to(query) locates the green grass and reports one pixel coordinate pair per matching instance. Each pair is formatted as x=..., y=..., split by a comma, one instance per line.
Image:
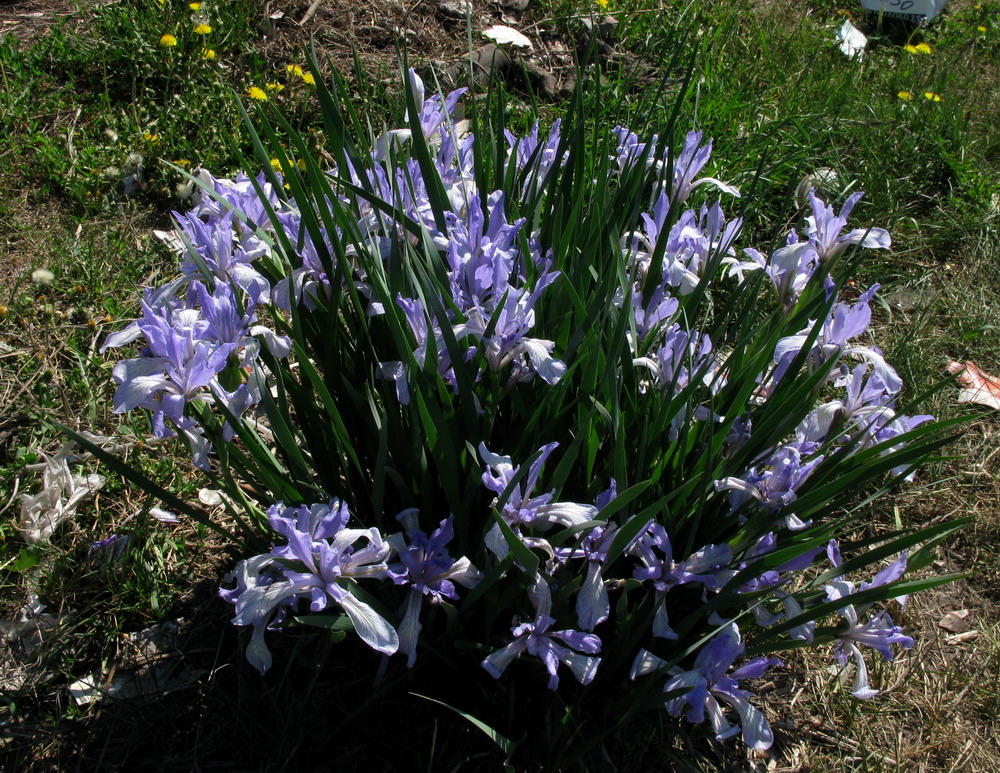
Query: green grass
x=77, y=108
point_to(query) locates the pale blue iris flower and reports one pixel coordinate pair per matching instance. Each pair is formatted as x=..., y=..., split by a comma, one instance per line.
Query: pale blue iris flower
x=320, y=564
x=426, y=566
x=711, y=681
x=573, y=649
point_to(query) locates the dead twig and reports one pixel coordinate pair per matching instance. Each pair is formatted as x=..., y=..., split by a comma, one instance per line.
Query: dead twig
x=310, y=12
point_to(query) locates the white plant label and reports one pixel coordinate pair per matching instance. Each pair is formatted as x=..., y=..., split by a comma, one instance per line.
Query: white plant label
x=910, y=10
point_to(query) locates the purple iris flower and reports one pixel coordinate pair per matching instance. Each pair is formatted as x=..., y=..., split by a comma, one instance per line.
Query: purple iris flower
x=435, y=116
x=879, y=632
x=508, y=345
x=483, y=258
x=182, y=362
x=522, y=151
x=320, y=564
x=688, y=163
x=826, y=229
x=659, y=567
x=481, y=254
x=425, y=564
x=308, y=282
x=708, y=683
x=843, y=323
x=693, y=241
x=866, y=405
x=523, y=510
x=573, y=649
x=223, y=254
x=240, y=195
x=629, y=151
x=424, y=331
x=774, y=488
x=684, y=357
x=771, y=580
x=791, y=267
x=108, y=550
x=651, y=318
x=865, y=416
x=592, y=604
x=682, y=360
x=893, y=429
x=187, y=349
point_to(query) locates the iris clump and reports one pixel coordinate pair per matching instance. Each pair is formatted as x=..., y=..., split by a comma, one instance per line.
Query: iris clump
x=528, y=406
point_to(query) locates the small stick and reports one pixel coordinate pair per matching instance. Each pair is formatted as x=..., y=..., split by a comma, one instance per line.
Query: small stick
x=310, y=12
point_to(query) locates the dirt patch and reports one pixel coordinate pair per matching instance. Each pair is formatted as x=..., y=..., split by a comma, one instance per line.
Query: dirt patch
x=435, y=34
x=29, y=20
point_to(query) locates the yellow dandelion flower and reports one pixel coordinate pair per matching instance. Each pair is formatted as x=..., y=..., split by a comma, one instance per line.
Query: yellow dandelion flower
x=202, y=29
x=182, y=162
x=275, y=165
x=910, y=49
x=194, y=6
x=208, y=53
x=149, y=137
x=308, y=78
x=255, y=93
x=301, y=164
x=906, y=96
x=275, y=87
x=923, y=48
x=167, y=40
x=294, y=69
x=981, y=28
x=601, y=3
x=930, y=95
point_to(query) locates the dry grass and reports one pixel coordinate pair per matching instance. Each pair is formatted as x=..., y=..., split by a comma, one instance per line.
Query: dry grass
x=938, y=706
